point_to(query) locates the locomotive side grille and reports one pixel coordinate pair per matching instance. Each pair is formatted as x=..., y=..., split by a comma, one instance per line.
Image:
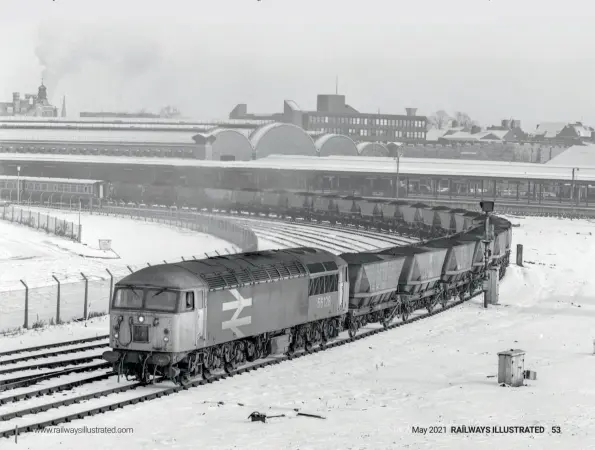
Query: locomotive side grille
x=140, y=333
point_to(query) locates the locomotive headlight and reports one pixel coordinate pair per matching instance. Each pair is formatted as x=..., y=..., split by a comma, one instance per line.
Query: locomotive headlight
x=116, y=335
x=165, y=338
x=141, y=319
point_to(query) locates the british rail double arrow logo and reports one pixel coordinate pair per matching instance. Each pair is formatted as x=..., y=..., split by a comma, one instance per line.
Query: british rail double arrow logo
x=238, y=304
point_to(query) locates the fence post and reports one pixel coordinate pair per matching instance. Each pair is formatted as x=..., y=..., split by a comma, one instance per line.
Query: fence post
x=183, y=259
x=131, y=271
x=57, y=301
x=86, y=308
x=38, y=219
x=217, y=253
x=194, y=258
x=148, y=265
x=164, y=261
x=26, y=325
x=111, y=286
x=206, y=254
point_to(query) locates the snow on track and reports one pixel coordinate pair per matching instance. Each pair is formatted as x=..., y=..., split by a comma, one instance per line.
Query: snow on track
x=439, y=371
x=35, y=256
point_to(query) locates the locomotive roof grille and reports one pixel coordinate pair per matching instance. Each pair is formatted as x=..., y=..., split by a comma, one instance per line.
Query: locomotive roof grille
x=256, y=274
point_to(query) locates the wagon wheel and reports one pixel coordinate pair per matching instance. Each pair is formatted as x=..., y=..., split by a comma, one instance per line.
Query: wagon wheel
x=405, y=311
x=389, y=315
x=353, y=325
x=431, y=302
x=444, y=298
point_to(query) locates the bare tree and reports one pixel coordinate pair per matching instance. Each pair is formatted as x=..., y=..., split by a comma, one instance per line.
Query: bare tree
x=439, y=119
x=463, y=119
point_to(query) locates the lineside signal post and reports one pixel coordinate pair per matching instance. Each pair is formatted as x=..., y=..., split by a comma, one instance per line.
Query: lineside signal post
x=490, y=283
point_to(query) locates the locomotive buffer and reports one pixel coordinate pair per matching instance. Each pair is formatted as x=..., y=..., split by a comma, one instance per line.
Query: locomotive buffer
x=490, y=283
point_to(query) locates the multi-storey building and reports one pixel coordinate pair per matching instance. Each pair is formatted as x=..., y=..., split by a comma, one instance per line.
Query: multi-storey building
x=333, y=115
x=30, y=105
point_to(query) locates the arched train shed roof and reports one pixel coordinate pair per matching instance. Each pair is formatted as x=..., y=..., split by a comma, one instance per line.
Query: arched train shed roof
x=281, y=138
x=335, y=144
x=372, y=149
x=227, y=143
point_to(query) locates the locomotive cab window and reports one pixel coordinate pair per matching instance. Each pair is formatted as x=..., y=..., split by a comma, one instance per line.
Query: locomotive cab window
x=128, y=298
x=161, y=300
x=189, y=300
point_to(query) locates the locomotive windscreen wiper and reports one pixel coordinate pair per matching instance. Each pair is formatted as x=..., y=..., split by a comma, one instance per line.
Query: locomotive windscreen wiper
x=159, y=292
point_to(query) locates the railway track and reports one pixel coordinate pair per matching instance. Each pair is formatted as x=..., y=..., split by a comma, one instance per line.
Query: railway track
x=55, y=345
x=348, y=241
x=29, y=380
x=51, y=354
x=158, y=391
x=389, y=237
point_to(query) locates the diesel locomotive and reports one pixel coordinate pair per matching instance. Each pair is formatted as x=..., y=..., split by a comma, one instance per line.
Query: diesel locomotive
x=178, y=321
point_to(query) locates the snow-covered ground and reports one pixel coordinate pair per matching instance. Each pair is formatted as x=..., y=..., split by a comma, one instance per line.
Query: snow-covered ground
x=439, y=371
x=34, y=256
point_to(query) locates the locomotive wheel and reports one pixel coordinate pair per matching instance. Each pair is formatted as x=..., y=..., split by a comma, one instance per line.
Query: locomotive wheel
x=206, y=373
x=250, y=351
x=326, y=332
x=144, y=377
x=227, y=353
x=229, y=367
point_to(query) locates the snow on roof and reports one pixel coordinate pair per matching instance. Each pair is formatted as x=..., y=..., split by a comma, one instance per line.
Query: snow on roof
x=125, y=122
x=575, y=156
x=63, y=135
x=549, y=129
x=340, y=164
x=48, y=180
x=434, y=134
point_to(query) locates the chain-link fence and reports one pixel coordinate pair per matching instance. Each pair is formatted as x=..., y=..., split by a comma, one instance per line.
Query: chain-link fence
x=79, y=299
x=35, y=219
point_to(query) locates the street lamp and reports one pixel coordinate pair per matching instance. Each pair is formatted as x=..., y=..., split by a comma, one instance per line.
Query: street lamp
x=18, y=185
x=398, y=154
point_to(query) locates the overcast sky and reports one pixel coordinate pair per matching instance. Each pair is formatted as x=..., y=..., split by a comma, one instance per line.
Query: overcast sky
x=527, y=59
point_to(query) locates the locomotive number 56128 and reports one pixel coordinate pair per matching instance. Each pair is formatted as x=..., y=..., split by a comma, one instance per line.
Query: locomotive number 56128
x=324, y=301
